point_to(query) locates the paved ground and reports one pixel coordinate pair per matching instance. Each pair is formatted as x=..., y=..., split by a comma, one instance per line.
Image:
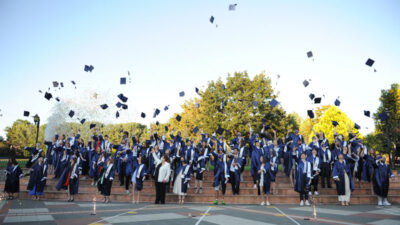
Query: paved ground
x=56, y=212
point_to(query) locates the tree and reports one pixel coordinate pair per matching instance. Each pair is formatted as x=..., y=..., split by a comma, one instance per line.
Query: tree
x=306, y=124
x=388, y=132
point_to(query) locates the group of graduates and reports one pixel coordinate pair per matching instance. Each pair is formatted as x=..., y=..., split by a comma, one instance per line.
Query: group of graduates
x=175, y=161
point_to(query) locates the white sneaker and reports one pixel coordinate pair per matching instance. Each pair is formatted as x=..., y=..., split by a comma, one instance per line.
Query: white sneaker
x=316, y=193
x=255, y=186
x=262, y=203
x=380, y=201
x=127, y=191
x=196, y=190
x=201, y=191
x=307, y=203
x=309, y=193
x=301, y=203
x=268, y=203
x=386, y=202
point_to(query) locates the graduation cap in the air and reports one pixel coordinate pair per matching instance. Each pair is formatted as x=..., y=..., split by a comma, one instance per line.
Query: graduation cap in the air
x=178, y=118
x=309, y=54
x=157, y=123
x=195, y=130
x=166, y=107
x=26, y=113
x=181, y=94
x=223, y=87
x=369, y=62
x=156, y=112
x=312, y=96
x=117, y=114
x=143, y=115
x=119, y=104
x=48, y=96
x=122, y=97
x=83, y=121
x=334, y=123
x=306, y=83
x=104, y=106
x=367, y=113
x=232, y=7
x=383, y=116
x=273, y=103
x=310, y=114
x=71, y=113
x=73, y=82
x=57, y=99
x=40, y=91
x=62, y=84
x=88, y=68
x=92, y=125
x=255, y=103
x=220, y=130
x=196, y=105
x=337, y=102
x=357, y=126
x=122, y=80
x=317, y=100
x=166, y=128
x=124, y=106
x=211, y=19
x=263, y=121
x=55, y=84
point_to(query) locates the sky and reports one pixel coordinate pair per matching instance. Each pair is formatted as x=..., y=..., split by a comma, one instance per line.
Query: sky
x=170, y=46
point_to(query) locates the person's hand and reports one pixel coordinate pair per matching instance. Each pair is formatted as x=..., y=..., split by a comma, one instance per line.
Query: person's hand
x=317, y=173
x=164, y=181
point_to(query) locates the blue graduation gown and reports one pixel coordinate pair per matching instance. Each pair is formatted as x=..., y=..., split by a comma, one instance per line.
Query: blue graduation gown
x=13, y=173
x=382, y=173
x=338, y=171
x=37, y=179
x=138, y=176
x=301, y=180
x=368, y=168
x=106, y=179
x=255, y=162
x=274, y=170
x=185, y=176
x=266, y=177
x=222, y=173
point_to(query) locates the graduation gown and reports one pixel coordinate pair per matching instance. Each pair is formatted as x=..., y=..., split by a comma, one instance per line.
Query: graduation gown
x=65, y=178
x=108, y=173
x=138, y=176
x=74, y=180
x=34, y=156
x=368, y=168
x=37, y=180
x=222, y=173
x=266, y=177
x=255, y=162
x=13, y=173
x=274, y=169
x=338, y=172
x=303, y=176
x=182, y=177
x=380, y=179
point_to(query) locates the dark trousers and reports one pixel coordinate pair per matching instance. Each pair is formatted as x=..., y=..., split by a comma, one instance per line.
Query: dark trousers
x=232, y=180
x=325, y=174
x=304, y=194
x=314, y=183
x=160, y=193
x=121, y=174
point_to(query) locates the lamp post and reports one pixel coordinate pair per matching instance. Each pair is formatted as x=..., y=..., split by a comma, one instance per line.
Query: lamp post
x=36, y=119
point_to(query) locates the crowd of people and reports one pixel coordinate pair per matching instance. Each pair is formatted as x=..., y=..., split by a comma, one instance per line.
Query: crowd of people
x=172, y=163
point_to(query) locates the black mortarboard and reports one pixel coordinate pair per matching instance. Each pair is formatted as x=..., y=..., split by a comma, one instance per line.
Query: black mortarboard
x=211, y=19
x=124, y=106
x=310, y=114
x=334, y=123
x=73, y=82
x=48, y=96
x=157, y=123
x=156, y=112
x=196, y=105
x=369, y=62
x=232, y=7
x=143, y=115
x=40, y=91
x=273, y=103
x=122, y=97
x=57, y=99
x=317, y=100
x=309, y=54
x=337, y=102
x=367, y=113
x=255, y=103
x=119, y=104
x=92, y=125
x=88, y=68
x=122, y=80
x=26, y=113
x=104, y=106
x=166, y=128
x=182, y=93
x=117, y=114
x=357, y=126
x=55, y=84
x=195, y=130
x=178, y=118
x=71, y=113
x=83, y=121
x=220, y=130
x=312, y=96
x=197, y=90
x=383, y=116
x=62, y=84
x=166, y=107
x=306, y=83
x=223, y=87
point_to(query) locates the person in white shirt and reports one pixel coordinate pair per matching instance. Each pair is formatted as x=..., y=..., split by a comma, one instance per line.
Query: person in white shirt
x=161, y=177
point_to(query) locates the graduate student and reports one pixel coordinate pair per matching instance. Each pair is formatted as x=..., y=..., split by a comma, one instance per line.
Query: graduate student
x=325, y=160
x=316, y=169
x=65, y=179
x=181, y=180
x=108, y=173
x=73, y=184
x=34, y=154
x=221, y=176
x=37, y=179
x=234, y=165
x=274, y=163
x=344, y=182
x=137, y=180
x=380, y=180
x=303, y=179
x=200, y=166
x=265, y=180
x=13, y=173
x=162, y=176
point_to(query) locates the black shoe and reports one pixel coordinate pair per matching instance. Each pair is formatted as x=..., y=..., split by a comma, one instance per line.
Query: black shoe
x=329, y=186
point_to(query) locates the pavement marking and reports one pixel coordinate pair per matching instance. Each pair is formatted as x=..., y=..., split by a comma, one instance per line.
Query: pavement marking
x=231, y=220
x=384, y=222
x=59, y=203
x=144, y=218
x=290, y=218
x=204, y=208
x=204, y=215
x=24, y=211
x=2, y=202
x=328, y=211
x=22, y=219
x=90, y=205
x=392, y=211
x=105, y=219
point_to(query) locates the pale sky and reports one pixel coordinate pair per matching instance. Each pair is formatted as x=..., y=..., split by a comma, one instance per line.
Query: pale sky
x=170, y=46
